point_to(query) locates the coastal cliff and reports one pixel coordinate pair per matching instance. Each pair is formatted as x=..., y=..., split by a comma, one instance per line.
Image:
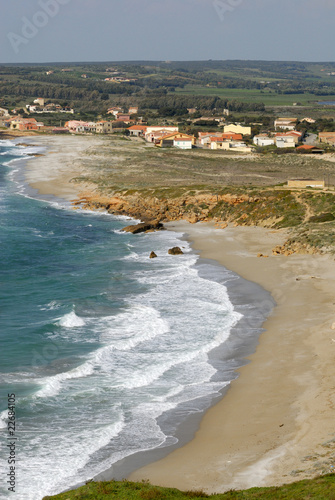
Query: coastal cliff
x=308, y=216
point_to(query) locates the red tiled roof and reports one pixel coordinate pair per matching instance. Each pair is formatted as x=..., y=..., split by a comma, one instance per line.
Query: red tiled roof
x=307, y=147
x=138, y=127
x=224, y=137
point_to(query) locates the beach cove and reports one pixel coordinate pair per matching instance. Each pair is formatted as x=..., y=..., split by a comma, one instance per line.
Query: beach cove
x=279, y=410
x=276, y=421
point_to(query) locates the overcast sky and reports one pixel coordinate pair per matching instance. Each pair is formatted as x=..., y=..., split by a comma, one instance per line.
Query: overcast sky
x=116, y=30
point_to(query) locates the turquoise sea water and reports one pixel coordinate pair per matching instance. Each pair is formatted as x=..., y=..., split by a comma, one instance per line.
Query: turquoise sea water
x=97, y=340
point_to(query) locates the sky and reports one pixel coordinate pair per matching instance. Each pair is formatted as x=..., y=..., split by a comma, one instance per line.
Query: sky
x=37, y=31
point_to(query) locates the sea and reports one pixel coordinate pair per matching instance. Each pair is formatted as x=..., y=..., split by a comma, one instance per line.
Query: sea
x=327, y=103
x=105, y=353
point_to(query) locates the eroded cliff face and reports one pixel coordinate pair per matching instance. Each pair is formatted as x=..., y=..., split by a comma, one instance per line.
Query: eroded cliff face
x=271, y=209
x=196, y=208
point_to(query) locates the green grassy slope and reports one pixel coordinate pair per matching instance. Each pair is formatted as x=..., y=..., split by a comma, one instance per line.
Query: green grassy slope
x=321, y=488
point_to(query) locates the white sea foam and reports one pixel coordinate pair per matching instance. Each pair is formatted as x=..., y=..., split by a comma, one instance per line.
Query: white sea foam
x=71, y=320
x=51, y=306
x=3, y=419
x=51, y=386
x=6, y=143
x=66, y=458
x=155, y=355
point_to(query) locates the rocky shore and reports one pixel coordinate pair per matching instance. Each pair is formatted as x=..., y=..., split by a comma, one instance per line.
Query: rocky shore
x=263, y=210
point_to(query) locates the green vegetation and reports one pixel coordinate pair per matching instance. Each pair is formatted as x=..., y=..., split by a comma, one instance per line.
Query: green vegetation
x=321, y=488
x=168, y=89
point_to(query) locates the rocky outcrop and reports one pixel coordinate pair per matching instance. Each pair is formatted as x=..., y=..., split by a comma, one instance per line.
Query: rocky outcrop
x=143, y=227
x=269, y=209
x=175, y=251
x=152, y=255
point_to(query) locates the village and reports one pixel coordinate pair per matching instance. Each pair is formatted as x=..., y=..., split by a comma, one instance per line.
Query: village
x=228, y=137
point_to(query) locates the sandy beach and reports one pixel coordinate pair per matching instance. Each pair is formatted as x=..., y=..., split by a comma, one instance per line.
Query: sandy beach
x=52, y=173
x=276, y=422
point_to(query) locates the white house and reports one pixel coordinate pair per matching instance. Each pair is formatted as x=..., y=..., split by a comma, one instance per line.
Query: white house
x=285, y=123
x=263, y=140
x=285, y=142
x=183, y=143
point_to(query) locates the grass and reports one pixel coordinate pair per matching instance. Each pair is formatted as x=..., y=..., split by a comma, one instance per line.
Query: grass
x=320, y=488
x=254, y=95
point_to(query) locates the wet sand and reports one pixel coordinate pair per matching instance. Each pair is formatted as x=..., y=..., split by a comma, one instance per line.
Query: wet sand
x=278, y=413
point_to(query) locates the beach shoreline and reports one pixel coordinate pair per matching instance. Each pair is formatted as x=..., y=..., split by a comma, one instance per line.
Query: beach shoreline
x=271, y=426
x=279, y=410
x=52, y=173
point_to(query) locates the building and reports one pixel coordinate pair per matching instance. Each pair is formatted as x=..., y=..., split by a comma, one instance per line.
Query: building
x=104, y=127
x=222, y=141
x=25, y=124
x=285, y=123
x=78, y=126
x=305, y=183
x=308, y=120
x=154, y=132
x=123, y=118
x=137, y=130
x=305, y=148
x=296, y=136
x=40, y=101
x=183, y=142
x=205, y=137
x=234, y=146
x=263, y=140
x=170, y=140
x=327, y=137
x=114, y=111
x=60, y=130
x=285, y=142
x=237, y=129
x=133, y=110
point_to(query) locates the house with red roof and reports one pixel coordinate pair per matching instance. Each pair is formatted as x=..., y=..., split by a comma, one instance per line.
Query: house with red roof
x=223, y=141
x=297, y=136
x=177, y=139
x=137, y=130
x=306, y=148
x=25, y=124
